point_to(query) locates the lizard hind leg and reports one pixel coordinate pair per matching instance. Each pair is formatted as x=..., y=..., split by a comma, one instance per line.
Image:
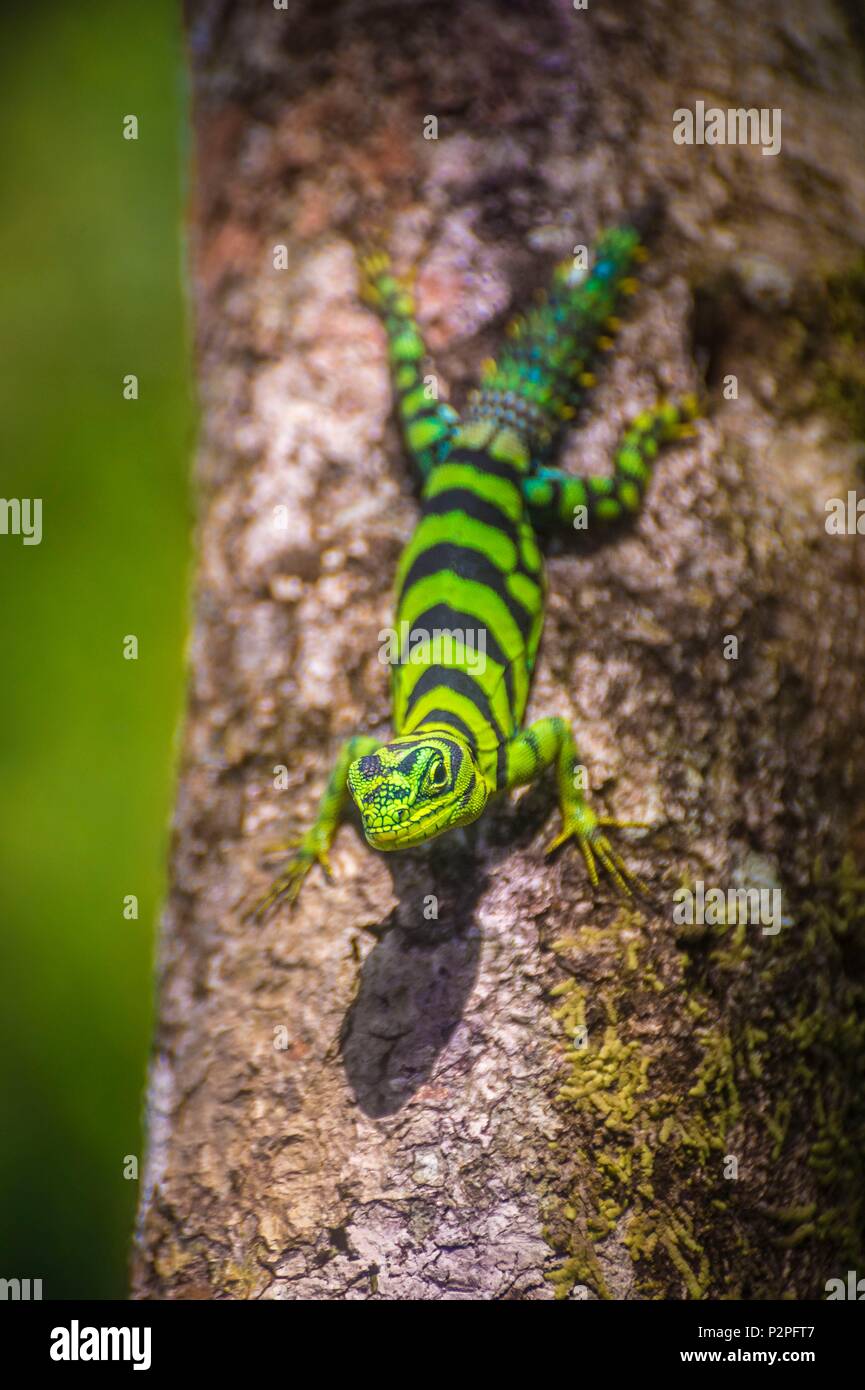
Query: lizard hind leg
x=559, y=499
x=428, y=424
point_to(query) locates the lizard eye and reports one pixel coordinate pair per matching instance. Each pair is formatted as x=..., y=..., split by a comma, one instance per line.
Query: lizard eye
x=437, y=777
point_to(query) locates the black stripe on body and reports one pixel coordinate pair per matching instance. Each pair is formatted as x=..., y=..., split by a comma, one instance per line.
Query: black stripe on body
x=444, y=680
x=446, y=619
x=463, y=684
x=472, y=565
x=480, y=460
x=446, y=719
x=460, y=499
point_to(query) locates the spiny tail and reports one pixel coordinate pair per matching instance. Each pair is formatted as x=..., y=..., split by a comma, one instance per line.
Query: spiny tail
x=538, y=384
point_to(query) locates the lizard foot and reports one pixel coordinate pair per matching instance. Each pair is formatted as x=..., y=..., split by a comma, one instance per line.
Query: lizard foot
x=307, y=851
x=372, y=265
x=587, y=828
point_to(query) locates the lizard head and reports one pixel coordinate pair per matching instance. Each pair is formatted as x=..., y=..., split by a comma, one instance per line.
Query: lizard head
x=415, y=787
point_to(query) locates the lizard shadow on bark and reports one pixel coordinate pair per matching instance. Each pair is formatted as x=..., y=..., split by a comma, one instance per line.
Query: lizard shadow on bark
x=415, y=982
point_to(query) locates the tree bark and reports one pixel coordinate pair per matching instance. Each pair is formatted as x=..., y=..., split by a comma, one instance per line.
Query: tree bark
x=361, y=1099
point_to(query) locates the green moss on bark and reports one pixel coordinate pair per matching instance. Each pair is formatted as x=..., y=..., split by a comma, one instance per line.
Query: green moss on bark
x=695, y=1112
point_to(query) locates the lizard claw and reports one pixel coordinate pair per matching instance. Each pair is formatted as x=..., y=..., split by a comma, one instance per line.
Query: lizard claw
x=372, y=265
x=586, y=828
x=289, y=883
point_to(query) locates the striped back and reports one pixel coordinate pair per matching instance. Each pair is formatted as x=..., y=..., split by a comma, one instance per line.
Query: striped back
x=470, y=597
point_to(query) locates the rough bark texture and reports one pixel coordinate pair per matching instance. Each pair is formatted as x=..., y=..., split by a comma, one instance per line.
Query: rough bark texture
x=432, y=1127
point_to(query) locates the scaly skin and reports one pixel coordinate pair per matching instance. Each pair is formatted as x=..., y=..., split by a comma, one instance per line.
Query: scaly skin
x=470, y=585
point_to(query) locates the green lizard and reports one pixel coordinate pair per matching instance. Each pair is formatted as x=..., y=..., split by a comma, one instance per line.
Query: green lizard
x=470, y=586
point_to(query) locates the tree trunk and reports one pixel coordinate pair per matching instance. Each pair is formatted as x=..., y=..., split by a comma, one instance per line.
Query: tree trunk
x=360, y=1098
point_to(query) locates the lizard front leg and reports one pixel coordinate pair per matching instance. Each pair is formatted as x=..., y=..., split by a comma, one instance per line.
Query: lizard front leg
x=314, y=845
x=549, y=742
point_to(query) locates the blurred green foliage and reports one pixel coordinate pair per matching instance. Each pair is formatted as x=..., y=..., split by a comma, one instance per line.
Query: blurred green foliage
x=91, y=260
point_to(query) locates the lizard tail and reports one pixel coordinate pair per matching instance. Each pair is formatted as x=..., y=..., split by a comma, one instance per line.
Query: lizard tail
x=543, y=375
